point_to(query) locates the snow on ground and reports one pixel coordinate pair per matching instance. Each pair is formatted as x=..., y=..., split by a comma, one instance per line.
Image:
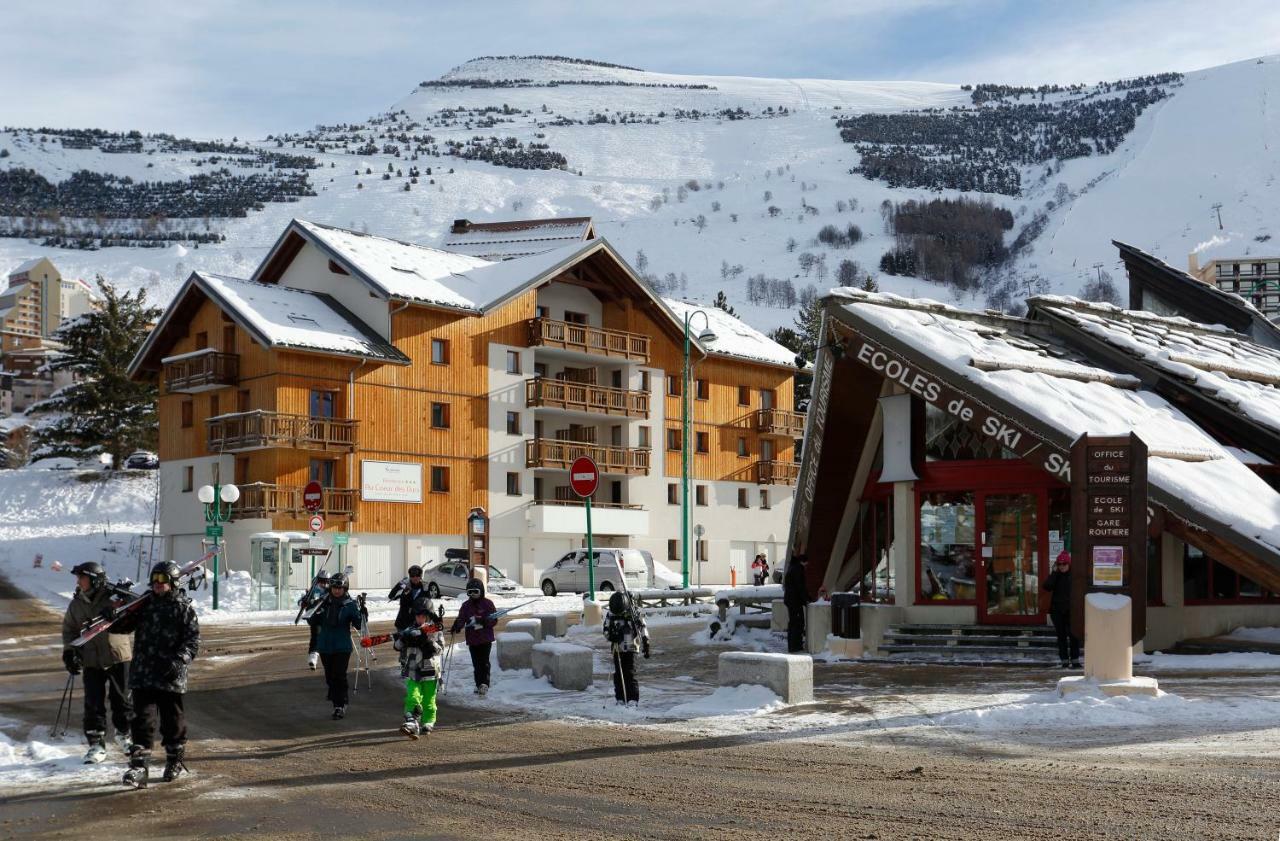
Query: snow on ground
x=1222, y=662
x=1270, y=635
x=30, y=755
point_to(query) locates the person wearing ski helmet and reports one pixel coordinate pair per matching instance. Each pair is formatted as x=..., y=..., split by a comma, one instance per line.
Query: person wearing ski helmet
x=626, y=632
x=336, y=618
x=104, y=661
x=476, y=617
x=308, y=603
x=408, y=590
x=421, y=645
x=166, y=638
x=1058, y=584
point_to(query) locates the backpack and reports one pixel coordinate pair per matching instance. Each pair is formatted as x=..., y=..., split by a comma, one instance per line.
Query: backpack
x=616, y=628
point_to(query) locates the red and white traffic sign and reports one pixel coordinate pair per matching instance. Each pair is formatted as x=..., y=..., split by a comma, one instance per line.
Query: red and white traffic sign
x=584, y=476
x=313, y=497
x=317, y=523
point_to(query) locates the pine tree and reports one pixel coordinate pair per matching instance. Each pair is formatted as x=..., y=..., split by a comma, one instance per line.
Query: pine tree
x=103, y=411
x=808, y=327
x=870, y=285
x=721, y=302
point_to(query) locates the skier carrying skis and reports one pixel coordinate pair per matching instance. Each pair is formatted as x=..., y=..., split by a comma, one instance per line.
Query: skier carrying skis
x=408, y=590
x=104, y=660
x=476, y=616
x=166, y=638
x=314, y=595
x=626, y=632
x=420, y=646
x=334, y=620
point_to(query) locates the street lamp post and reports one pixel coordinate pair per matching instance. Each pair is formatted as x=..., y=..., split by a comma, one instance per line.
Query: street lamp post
x=707, y=336
x=215, y=497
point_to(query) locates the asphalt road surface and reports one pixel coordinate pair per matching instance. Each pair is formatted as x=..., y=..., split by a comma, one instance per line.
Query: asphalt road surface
x=269, y=763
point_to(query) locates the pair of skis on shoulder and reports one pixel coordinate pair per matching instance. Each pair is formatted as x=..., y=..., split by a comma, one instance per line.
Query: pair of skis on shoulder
x=103, y=623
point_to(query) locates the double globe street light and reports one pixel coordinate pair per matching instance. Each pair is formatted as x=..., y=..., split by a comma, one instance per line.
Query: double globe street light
x=706, y=337
x=215, y=497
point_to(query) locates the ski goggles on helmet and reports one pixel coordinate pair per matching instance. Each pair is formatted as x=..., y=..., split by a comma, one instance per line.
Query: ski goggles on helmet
x=473, y=591
x=161, y=578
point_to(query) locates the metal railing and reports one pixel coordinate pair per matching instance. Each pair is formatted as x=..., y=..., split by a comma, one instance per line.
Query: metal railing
x=780, y=422
x=258, y=429
x=625, y=506
x=595, y=340
x=261, y=499
x=201, y=372
x=541, y=452
x=777, y=472
x=541, y=392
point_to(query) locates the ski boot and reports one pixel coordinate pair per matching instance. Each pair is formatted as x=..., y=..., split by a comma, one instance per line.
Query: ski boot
x=97, y=748
x=339, y=712
x=482, y=690
x=173, y=765
x=125, y=743
x=410, y=727
x=312, y=659
x=138, y=774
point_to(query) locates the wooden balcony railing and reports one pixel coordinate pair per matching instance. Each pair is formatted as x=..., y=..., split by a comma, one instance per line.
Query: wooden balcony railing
x=201, y=372
x=780, y=423
x=777, y=472
x=260, y=429
x=542, y=393
x=541, y=452
x=260, y=499
x=595, y=340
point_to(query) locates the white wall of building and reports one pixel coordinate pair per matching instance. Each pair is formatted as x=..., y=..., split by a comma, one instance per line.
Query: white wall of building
x=310, y=270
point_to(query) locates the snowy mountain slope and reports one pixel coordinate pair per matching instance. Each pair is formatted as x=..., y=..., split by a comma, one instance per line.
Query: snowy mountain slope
x=765, y=177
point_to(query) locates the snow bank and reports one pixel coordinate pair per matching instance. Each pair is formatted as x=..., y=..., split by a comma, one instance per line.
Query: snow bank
x=1271, y=635
x=51, y=763
x=1047, y=710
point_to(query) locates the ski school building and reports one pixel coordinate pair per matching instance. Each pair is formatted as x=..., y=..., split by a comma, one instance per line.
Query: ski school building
x=936, y=472
x=417, y=383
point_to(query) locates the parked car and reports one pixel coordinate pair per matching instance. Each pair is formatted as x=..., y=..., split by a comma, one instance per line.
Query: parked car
x=142, y=460
x=450, y=579
x=613, y=567
x=661, y=576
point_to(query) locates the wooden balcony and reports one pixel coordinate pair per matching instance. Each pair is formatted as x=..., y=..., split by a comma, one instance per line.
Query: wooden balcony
x=260, y=429
x=777, y=472
x=542, y=393
x=779, y=423
x=262, y=500
x=201, y=371
x=584, y=339
x=541, y=452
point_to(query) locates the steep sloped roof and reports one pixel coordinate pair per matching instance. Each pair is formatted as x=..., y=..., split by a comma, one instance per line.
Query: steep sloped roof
x=734, y=337
x=26, y=266
x=1023, y=371
x=517, y=238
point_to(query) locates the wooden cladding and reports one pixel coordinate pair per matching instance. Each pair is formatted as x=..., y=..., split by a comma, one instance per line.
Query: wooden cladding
x=541, y=452
x=261, y=500
x=202, y=372
x=259, y=429
x=780, y=423
x=542, y=393
x=777, y=472
x=585, y=339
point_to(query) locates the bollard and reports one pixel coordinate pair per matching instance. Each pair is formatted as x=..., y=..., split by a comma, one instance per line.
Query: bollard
x=1108, y=652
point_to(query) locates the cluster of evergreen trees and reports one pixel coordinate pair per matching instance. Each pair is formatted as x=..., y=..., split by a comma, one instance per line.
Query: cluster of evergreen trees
x=509, y=152
x=946, y=240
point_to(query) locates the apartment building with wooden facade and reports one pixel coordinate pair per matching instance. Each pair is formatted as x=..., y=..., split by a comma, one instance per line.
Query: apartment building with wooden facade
x=416, y=383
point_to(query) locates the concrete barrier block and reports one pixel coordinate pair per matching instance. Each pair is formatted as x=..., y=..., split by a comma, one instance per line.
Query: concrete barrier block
x=592, y=613
x=780, y=618
x=845, y=649
x=532, y=627
x=515, y=651
x=567, y=666
x=789, y=675
x=553, y=624
x=817, y=624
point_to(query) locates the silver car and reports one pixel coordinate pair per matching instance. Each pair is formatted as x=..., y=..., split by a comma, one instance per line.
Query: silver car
x=450, y=579
x=613, y=567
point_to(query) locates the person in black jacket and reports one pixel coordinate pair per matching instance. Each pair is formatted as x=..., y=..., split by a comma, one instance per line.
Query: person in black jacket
x=795, y=595
x=408, y=590
x=166, y=638
x=1059, y=586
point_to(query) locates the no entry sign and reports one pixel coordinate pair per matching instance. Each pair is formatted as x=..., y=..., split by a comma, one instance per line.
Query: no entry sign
x=584, y=476
x=312, y=497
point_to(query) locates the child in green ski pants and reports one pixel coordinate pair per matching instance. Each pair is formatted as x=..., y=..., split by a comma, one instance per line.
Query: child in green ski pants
x=420, y=646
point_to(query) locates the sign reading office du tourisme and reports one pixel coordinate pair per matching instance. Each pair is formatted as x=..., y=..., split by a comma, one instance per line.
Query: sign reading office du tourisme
x=390, y=481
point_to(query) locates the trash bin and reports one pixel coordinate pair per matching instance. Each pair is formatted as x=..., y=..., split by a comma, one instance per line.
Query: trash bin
x=844, y=616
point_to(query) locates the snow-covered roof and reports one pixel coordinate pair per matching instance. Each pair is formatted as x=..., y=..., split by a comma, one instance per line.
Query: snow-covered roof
x=507, y=240
x=1222, y=364
x=734, y=337
x=1028, y=370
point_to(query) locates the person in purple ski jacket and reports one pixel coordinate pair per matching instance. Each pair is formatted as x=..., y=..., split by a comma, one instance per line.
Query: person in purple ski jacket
x=476, y=616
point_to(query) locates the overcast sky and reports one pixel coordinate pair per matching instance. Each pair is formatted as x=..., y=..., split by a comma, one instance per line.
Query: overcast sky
x=248, y=68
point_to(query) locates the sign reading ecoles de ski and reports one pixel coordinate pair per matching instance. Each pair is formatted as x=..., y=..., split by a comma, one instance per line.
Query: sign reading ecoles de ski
x=390, y=481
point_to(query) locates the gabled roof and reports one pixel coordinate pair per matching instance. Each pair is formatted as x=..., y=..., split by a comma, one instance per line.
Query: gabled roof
x=734, y=337
x=515, y=238
x=26, y=265
x=1218, y=364
x=1024, y=372
x=1202, y=302
x=277, y=317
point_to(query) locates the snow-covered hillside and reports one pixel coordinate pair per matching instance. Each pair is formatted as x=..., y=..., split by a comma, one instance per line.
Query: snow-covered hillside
x=719, y=178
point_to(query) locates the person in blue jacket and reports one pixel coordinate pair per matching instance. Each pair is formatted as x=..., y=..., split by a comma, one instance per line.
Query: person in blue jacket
x=334, y=622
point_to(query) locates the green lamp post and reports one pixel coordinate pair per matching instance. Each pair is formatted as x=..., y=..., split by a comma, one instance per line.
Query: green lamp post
x=217, y=500
x=707, y=336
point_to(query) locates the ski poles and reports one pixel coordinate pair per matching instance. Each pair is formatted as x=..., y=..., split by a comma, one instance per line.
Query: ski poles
x=621, y=678
x=445, y=660
x=68, y=697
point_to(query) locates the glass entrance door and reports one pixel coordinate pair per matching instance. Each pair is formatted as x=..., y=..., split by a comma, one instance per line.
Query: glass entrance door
x=1012, y=558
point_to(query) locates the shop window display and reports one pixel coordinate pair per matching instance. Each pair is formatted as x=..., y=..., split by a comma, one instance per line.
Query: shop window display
x=946, y=556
